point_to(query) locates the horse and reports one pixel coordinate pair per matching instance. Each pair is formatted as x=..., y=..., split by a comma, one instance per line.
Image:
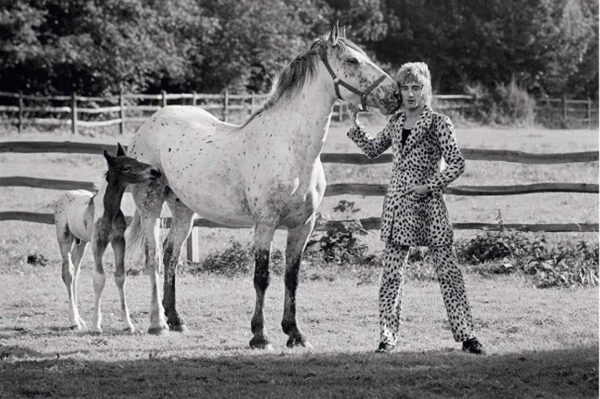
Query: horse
x=263, y=174
x=82, y=217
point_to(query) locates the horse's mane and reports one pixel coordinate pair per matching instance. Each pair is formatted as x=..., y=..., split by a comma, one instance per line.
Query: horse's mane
x=300, y=70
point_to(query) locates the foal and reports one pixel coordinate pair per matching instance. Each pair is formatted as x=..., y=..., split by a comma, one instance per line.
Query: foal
x=82, y=217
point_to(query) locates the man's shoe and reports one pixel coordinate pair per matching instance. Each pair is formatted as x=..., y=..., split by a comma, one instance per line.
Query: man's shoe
x=384, y=347
x=473, y=346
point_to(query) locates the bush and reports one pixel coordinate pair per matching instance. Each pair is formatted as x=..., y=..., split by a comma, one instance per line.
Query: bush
x=236, y=259
x=341, y=243
x=507, y=104
x=506, y=251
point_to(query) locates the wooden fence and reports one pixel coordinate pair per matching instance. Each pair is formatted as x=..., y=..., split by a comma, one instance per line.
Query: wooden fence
x=93, y=112
x=332, y=189
x=567, y=113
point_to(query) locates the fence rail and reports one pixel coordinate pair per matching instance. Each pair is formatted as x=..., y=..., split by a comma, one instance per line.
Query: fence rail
x=332, y=189
x=474, y=154
x=127, y=107
x=372, y=223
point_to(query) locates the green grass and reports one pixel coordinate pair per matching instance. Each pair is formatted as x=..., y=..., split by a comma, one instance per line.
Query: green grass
x=540, y=342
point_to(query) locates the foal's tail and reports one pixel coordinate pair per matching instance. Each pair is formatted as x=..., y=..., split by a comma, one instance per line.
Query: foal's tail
x=134, y=240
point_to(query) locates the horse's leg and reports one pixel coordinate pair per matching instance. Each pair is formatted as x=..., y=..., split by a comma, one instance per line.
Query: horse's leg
x=99, y=245
x=118, y=245
x=65, y=243
x=148, y=199
x=181, y=226
x=263, y=235
x=76, y=256
x=296, y=242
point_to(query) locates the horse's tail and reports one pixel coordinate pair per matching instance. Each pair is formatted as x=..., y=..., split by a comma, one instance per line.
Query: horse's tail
x=134, y=240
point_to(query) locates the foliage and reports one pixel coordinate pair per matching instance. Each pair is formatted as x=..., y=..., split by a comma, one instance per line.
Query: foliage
x=92, y=47
x=236, y=259
x=504, y=105
x=506, y=251
x=341, y=242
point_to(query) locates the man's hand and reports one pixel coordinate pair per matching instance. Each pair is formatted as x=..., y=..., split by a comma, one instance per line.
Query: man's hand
x=355, y=110
x=417, y=190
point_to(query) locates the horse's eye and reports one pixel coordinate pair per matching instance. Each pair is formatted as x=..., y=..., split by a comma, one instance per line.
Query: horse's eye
x=125, y=169
x=352, y=61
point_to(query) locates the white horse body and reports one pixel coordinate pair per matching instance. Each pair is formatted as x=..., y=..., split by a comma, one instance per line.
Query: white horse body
x=76, y=208
x=264, y=174
x=215, y=168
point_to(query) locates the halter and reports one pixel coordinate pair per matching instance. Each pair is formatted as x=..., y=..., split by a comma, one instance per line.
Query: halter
x=337, y=82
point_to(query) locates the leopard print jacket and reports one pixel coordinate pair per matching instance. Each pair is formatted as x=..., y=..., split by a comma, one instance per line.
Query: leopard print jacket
x=414, y=219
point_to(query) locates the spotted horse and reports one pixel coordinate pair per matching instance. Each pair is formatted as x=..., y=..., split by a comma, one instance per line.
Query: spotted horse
x=265, y=173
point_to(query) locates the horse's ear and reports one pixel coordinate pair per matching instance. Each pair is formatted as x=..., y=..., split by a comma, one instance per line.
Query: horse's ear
x=120, y=150
x=334, y=34
x=109, y=158
x=343, y=32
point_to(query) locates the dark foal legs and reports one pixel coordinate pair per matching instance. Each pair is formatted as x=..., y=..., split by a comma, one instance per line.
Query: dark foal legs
x=183, y=218
x=296, y=242
x=118, y=245
x=99, y=244
x=263, y=235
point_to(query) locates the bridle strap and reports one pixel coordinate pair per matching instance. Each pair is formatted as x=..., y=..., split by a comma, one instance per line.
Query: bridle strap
x=339, y=82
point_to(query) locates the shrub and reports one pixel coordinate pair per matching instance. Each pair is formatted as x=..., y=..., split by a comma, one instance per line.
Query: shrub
x=507, y=104
x=236, y=259
x=341, y=242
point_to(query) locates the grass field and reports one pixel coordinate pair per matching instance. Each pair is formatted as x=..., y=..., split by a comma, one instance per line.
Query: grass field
x=542, y=343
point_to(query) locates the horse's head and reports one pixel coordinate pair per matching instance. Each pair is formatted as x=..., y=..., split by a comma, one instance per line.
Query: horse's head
x=354, y=77
x=129, y=170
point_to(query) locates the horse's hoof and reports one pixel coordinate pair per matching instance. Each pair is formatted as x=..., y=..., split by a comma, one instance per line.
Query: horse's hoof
x=130, y=329
x=96, y=330
x=296, y=341
x=76, y=327
x=158, y=331
x=260, y=343
x=180, y=328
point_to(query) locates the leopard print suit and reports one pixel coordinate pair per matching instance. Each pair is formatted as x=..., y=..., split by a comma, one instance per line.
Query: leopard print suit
x=415, y=219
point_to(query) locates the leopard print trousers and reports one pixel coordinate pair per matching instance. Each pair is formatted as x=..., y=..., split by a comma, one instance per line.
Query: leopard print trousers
x=451, y=284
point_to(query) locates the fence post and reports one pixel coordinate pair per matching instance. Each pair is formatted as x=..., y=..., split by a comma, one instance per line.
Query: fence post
x=589, y=112
x=121, y=112
x=20, y=111
x=194, y=98
x=74, y=113
x=225, y=105
x=564, y=110
x=163, y=102
x=252, y=100
x=192, y=249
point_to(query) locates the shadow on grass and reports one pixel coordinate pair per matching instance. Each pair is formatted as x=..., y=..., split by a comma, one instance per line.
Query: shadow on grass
x=560, y=373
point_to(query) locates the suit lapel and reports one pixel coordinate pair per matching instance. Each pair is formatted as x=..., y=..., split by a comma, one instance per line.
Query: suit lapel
x=423, y=124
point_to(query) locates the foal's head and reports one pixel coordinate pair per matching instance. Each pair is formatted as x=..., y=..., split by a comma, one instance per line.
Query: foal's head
x=126, y=170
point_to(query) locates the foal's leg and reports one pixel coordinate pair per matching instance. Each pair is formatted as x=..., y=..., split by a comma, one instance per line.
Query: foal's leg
x=296, y=242
x=148, y=199
x=77, y=253
x=99, y=245
x=263, y=235
x=65, y=242
x=118, y=245
x=181, y=227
